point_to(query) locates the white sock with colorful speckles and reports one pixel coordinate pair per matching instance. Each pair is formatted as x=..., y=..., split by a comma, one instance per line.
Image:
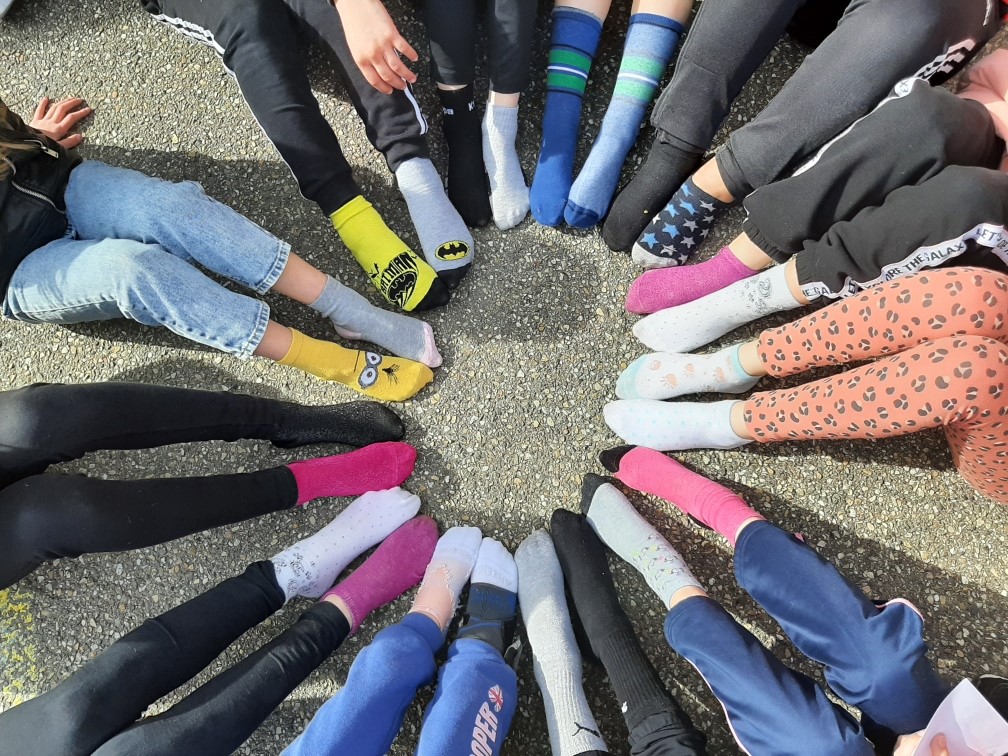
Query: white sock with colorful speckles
x=673, y=426
x=662, y=375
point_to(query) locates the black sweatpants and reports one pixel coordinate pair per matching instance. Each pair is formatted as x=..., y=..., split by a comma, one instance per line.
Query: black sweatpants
x=258, y=42
x=97, y=709
x=877, y=44
x=508, y=25
x=48, y=516
x=908, y=186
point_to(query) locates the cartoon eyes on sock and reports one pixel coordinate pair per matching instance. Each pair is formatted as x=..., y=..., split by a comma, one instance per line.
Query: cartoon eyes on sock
x=369, y=375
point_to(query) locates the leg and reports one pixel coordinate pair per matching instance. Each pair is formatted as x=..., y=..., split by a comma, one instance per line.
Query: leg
x=112, y=690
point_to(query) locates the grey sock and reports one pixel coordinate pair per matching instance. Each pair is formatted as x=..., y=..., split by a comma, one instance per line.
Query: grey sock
x=555, y=655
x=636, y=541
x=509, y=194
x=446, y=242
x=356, y=318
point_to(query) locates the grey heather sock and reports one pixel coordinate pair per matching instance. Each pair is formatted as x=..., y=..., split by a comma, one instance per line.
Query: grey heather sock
x=509, y=194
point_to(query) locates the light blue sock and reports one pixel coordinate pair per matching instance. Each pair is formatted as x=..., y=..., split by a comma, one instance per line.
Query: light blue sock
x=650, y=42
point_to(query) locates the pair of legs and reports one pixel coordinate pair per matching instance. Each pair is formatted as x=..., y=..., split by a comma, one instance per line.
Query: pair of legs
x=874, y=657
x=478, y=155
x=656, y=724
x=837, y=216
x=259, y=43
x=131, y=252
x=877, y=44
x=652, y=37
x=943, y=362
x=476, y=694
x=98, y=709
x=48, y=516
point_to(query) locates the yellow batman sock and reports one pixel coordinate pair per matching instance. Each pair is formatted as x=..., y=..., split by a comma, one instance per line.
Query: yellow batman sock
x=391, y=379
x=403, y=278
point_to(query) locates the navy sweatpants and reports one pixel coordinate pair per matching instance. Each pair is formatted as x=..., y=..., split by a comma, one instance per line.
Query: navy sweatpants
x=874, y=657
x=470, y=713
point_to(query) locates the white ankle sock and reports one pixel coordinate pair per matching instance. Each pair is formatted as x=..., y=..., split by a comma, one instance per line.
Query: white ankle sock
x=448, y=571
x=495, y=566
x=509, y=194
x=662, y=375
x=673, y=426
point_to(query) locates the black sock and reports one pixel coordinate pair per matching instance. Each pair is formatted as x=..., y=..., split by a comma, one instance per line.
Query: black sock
x=650, y=711
x=353, y=423
x=650, y=190
x=468, y=189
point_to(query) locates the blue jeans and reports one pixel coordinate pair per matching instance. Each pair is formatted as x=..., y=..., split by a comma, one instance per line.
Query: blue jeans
x=130, y=252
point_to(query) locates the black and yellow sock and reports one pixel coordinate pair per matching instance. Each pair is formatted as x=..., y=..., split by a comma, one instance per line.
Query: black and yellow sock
x=404, y=279
x=391, y=379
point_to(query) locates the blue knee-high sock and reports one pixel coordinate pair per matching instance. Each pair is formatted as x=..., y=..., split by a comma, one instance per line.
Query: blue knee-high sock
x=573, y=44
x=650, y=42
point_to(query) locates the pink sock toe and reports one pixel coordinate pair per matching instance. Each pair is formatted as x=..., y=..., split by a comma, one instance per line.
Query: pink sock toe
x=431, y=356
x=660, y=289
x=373, y=468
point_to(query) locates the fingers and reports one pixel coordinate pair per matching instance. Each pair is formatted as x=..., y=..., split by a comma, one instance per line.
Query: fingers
x=939, y=746
x=65, y=106
x=400, y=44
x=374, y=79
x=71, y=141
x=72, y=119
x=399, y=69
x=40, y=111
x=390, y=78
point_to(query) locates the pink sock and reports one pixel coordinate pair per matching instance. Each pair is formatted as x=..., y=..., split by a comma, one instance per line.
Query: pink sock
x=396, y=566
x=712, y=504
x=374, y=468
x=658, y=289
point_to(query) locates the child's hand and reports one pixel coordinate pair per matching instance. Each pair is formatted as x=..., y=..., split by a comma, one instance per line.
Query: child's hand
x=375, y=44
x=56, y=121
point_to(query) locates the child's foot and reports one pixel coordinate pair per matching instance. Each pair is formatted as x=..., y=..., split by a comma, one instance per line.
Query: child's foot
x=493, y=596
x=395, y=567
x=447, y=574
x=673, y=426
x=467, y=181
x=665, y=376
x=374, y=468
x=391, y=379
x=353, y=423
x=676, y=233
x=354, y=317
x=509, y=195
x=403, y=279
x=310, y=566
x=657, y=290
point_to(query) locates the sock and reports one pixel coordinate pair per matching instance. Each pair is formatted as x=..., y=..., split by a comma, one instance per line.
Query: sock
x=447, y=574
x=650, y=42
x=402, y=278
x=446, y=242
x=636, y=541
x=374, y=468
x=467, y=180
x=634, y=680
x=396, y=566
x=555, y=656
x=666, y=167
x=353, y=423
x=573, y=43
x=673, y=426
x=391, y=379
x=665, y=376
x=509, y=195
x=310, y=567
x=711, y=503
x=657, y=290
x=355, y=318
x=493, y=596
x=676, y=233
x=691, y=325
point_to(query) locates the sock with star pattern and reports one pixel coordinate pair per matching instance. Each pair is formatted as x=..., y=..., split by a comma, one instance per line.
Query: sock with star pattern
x=677, y=232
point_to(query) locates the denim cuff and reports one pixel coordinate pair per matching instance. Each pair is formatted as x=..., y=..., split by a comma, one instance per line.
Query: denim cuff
x=258, y=331
x=279, y=263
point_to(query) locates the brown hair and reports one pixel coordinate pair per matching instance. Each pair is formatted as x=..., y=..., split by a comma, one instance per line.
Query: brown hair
x=6, y=148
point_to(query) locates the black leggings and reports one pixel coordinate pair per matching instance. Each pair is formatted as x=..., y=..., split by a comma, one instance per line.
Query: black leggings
x=48, y=516
x=451, y=26
x=97, y=709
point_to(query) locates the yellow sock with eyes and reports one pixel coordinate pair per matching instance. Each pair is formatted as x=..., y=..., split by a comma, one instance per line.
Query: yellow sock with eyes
x=391, y=379
x=404, y=279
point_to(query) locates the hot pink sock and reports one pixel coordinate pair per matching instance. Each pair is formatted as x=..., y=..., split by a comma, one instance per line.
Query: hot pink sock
x=658, y=289
x=374, y=468
x=714, y=505
x=396, y=566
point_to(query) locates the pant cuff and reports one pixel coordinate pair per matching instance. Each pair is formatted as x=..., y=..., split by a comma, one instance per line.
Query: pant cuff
x=731, y=173
x=280, y=258
x=760, y=239
x=258, y=331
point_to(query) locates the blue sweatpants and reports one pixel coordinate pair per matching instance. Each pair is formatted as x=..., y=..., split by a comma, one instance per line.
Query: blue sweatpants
x=470, y=714
x=873, y=657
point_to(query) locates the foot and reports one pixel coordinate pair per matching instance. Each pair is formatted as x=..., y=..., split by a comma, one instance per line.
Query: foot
x=493, y=597
x=662, y=375
x=446, y=575
x=374, y=468
x=676, y=233
x=467, y=181
x=657, y=290
x=509, y=194
x=673, y=426
x=353, y=423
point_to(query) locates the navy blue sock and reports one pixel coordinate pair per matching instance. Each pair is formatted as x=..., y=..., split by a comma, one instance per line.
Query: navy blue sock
x=677, y=232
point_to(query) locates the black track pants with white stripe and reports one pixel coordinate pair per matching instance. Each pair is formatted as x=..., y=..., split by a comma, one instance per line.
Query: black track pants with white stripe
x=258, y=41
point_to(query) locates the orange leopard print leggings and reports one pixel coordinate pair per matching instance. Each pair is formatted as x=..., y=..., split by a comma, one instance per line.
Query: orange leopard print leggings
x=945, y=336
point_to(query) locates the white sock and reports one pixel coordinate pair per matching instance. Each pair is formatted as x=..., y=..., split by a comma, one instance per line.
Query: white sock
x=310, y=567
x=662, y=375
x=446, y=242
x=509, y=194
x=555, y=655
x=673, y=426
x=495, y=566
x=448, y=571
x=691, y=325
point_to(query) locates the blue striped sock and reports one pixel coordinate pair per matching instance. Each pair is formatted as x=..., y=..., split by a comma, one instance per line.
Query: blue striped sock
x=573, y=43
x=650, y=42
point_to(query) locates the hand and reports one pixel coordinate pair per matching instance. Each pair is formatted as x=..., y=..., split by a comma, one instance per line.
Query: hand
x=375, y=44
x=56, y=121
x=907, y=744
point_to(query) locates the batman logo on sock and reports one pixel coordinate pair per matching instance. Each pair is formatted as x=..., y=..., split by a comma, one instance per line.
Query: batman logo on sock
x=399, y=279
x=451, y=251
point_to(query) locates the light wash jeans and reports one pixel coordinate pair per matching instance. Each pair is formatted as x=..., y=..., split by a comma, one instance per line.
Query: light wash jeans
x=130, y=250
